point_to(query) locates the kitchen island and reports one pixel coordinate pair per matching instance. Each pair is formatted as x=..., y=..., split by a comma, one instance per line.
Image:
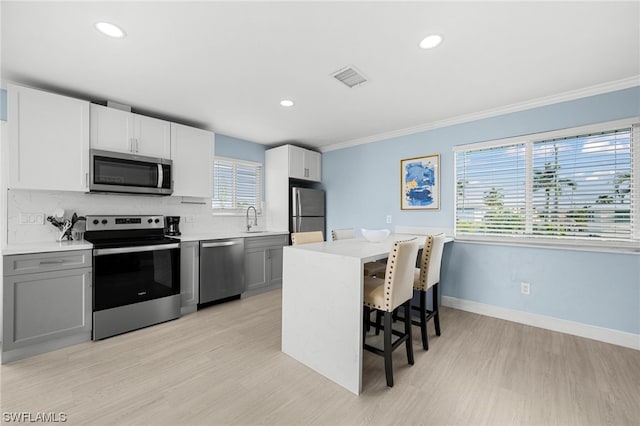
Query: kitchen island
x=322, y=299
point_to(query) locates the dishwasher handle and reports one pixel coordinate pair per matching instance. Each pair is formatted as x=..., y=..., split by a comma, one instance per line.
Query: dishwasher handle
x=219, y=244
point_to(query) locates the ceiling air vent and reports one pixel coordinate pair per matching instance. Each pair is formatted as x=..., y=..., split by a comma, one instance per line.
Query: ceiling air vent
x=349, y=76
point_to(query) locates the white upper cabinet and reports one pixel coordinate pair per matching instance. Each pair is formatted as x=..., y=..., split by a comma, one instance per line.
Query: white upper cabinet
x=304, y=164
x=121, y=131
x=192, y=155
x=48, y=147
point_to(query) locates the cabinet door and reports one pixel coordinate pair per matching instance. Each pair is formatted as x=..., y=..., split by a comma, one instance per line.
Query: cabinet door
x=48, y=145
x=112, y=129
x=275, y=266
x=255, y=264
x=296, y=163
x=313, y=165
x=304, y=164
x=189, y=275
x=192, y=155
x=46, y=306
x=152, y=137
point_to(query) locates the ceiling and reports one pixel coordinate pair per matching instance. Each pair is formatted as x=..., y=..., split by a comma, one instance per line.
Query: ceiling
x=226, y=66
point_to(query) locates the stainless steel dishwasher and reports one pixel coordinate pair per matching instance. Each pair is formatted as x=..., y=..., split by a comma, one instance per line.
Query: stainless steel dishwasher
x=221, y=269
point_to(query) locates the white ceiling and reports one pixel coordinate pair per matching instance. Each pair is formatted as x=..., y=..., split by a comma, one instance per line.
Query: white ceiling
x=226, y=65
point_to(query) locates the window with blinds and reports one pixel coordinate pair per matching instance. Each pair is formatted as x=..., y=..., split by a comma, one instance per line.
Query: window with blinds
x=574, y=187
x=236, y=185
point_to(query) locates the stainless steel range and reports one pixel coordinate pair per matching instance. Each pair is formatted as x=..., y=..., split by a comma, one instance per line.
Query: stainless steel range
x=136, y=273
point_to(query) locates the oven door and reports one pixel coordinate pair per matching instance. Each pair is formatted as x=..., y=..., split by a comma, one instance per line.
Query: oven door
x=123, y=276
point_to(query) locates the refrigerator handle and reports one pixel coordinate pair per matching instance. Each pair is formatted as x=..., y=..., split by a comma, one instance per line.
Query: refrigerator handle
x=299, y=206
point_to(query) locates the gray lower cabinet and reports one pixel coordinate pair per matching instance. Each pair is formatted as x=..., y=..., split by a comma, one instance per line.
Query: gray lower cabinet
x=189, y=276
x=46, y=302
x=263, y=263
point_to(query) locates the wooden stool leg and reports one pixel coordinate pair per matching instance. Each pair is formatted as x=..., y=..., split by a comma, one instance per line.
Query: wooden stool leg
x=423, y=320
x=388, y=350
x=366, y=321
x=436, y=315
x=378, y=321
x=407, y=331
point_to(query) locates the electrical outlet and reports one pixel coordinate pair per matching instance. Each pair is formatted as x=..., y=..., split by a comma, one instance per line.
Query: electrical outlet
x=388, y=218
x=188, y=219
x=31, y=219
x=525, y=288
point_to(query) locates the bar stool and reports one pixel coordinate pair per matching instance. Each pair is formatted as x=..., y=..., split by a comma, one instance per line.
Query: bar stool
x=385, y=295
x=370, y=268
x=427, y=277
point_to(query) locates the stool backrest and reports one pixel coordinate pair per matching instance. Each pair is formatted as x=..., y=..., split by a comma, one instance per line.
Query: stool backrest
x=430, y=262
x=343, y=234
x=398, y=280
x=307, y=237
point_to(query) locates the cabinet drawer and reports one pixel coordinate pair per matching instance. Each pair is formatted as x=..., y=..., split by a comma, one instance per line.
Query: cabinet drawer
x=269, y=241
x=46, y=262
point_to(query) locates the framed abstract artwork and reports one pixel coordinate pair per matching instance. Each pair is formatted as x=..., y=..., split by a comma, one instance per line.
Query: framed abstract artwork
x=420, y=183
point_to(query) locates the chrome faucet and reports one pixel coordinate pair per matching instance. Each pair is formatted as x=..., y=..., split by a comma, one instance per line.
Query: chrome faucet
x=255, y=218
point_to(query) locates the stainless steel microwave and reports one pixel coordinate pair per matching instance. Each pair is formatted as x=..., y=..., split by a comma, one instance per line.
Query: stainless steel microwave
x=129, y=173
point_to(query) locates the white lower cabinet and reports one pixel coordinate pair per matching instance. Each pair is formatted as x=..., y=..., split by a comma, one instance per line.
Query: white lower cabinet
x=189, y=276
x=46, y=302
x=263, y=263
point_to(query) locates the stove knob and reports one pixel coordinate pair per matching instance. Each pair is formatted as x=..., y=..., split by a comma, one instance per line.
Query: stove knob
x=104, y=221
x=96, y=221
x=150, y=220
x=157, y=220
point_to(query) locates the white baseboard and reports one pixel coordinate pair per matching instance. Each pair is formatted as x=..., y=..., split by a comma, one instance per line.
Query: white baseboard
x=602, y=334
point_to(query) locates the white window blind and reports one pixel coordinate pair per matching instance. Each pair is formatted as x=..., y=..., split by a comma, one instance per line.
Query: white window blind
x=576, y=187
x=236, y=185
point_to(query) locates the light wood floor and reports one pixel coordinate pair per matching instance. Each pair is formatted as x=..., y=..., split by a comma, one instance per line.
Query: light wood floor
x=223, y=365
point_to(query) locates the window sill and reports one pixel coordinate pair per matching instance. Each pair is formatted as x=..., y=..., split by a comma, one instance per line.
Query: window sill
x=593, y=246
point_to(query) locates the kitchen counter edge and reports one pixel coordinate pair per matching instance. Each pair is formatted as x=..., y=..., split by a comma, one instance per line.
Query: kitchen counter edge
x=224, y=235
x=53, y=246
x=45, y=247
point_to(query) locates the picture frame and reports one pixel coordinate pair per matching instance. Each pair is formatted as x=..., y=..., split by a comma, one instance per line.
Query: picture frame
x=420, y=183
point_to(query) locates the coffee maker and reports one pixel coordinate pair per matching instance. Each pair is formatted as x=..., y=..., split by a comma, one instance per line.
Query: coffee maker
x=172, y=225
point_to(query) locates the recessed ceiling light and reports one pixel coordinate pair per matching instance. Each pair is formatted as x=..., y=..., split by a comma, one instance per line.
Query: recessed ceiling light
x=286, y=103
x=431, y=41
x=110, y=29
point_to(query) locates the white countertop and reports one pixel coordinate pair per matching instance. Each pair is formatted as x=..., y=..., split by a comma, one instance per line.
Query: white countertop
x=53, y=246
x=361, y=248
x=358, y=247
x=45, y=247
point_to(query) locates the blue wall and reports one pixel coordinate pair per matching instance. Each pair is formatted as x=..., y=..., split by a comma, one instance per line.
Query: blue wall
x=601, y=289
x=227, y=146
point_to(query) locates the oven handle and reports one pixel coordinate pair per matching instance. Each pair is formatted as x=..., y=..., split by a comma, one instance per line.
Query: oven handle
x=102, y=252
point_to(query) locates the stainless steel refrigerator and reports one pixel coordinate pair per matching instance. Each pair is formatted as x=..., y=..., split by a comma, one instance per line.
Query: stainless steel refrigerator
x=307, y=210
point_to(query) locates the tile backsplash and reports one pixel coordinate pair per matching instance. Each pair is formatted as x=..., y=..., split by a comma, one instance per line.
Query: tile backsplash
x=195, y=218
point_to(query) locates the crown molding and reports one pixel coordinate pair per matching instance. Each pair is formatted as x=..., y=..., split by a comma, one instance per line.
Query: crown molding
x=598, y=89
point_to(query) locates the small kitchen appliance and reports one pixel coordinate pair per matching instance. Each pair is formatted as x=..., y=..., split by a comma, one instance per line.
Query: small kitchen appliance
x=172, y=226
